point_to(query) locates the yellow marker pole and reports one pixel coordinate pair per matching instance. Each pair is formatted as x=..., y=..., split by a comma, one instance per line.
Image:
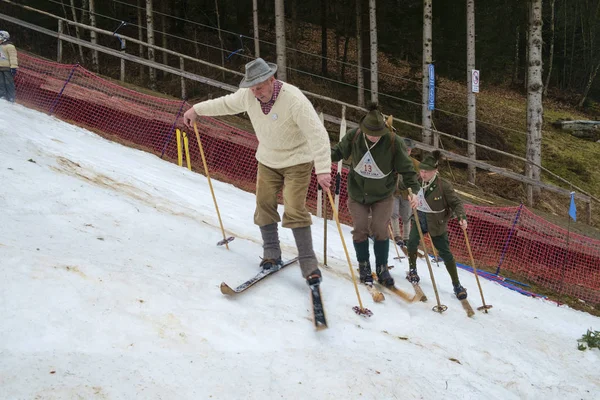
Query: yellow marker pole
x=187, y=151
x=179, y=155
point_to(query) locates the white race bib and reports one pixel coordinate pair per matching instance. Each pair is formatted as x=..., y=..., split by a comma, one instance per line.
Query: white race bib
x=422, y=203
x=368, y=169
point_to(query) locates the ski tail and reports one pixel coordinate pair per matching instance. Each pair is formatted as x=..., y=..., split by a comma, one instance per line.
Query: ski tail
x=319, y=318
x=467, y=307
x=227, y=290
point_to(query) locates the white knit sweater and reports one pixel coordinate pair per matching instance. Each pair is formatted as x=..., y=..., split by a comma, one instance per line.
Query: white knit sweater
x=290, y=134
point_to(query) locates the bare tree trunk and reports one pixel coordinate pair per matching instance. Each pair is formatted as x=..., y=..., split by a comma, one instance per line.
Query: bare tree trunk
x=344, y=57
x=374, y=49
x=324, y=37
x=77, y=29
x=527, y=34
x=551, y=60
x=294, y=36
x=196, y=47
x=280, y=40
x=517, y=60
x=591, y=50
x=427, y=60
x=163, y=25
x=360, y=78
x=575, y=19
x=336, y=31
x=220, y=38
x=140, y=24
x=564, y=71
x=85, y=6
x=471, y=99
x=150, y=35
x=67, y=28
x=93, y=35
x=590, y=81
x=255, y=22
x=535, y=110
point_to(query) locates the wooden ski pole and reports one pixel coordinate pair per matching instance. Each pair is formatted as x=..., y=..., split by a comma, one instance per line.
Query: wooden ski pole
x=484, y=307
x=324, y=230
x=319, y=189
x=225, y=239
x=395, y=244
x=340, y=164
x=435, y=254
x=440, y=307
x=360, y=310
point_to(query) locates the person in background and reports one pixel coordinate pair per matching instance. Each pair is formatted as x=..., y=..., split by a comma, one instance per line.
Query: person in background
x=377, y=155
x=291, y=140
x=437, y=202
x=402, y=208
x=8, y=67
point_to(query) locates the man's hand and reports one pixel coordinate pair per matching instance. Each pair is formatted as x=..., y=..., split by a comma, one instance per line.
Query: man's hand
x=324, y=180
x=414, y=202
x=463, y=223
x=13, y=71
x=190, y=117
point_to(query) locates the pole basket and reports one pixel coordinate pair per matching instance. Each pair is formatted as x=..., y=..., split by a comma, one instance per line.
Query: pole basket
x=364, y=312
x=440, y=309
x=224, y=241
x=485, y=308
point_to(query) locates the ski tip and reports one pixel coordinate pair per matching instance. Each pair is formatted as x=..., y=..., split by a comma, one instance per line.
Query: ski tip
x=378, y=297
x=320, y=327
x=467, y=307
x=225, y=289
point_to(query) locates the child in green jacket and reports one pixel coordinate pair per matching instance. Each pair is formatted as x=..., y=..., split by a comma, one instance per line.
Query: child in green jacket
x=377, y=156
x=437, y=202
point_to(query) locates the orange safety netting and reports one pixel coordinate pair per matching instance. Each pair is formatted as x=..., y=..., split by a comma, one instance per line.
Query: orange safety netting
x=502, y=238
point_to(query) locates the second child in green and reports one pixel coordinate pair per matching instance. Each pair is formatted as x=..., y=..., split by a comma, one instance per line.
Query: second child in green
x=437, y=203
x=377, y=156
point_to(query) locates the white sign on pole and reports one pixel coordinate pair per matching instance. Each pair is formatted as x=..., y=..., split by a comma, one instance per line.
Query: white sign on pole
x=475, y=81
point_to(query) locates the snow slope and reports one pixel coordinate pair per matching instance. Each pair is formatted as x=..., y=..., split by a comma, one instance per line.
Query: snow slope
x=109, y=288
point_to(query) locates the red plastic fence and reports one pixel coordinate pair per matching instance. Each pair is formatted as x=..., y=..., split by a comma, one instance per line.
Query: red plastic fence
x=504, y=238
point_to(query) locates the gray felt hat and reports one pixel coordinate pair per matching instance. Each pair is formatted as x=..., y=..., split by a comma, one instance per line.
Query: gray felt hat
x=257, y=71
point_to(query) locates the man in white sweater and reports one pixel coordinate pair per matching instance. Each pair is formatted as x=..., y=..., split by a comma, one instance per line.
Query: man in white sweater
x=291, y=140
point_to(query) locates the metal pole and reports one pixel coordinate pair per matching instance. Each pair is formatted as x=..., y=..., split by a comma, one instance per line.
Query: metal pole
x=512, y=229
x=172, y=130
x=59, y=95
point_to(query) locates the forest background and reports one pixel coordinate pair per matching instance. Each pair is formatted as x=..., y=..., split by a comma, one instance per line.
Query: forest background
x=322, y=57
